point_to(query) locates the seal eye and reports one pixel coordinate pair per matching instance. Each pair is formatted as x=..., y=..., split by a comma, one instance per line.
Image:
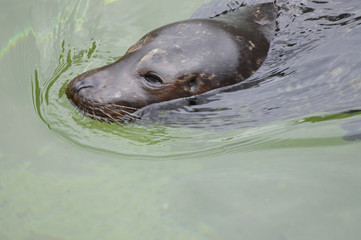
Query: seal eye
x=153, y=79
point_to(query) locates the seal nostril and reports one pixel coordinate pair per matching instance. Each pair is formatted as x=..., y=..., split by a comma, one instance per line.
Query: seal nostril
x=81, y=84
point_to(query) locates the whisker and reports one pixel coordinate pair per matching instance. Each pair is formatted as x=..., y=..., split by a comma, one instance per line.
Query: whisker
x=106, y=114
x=119, y=110
x=116, y=113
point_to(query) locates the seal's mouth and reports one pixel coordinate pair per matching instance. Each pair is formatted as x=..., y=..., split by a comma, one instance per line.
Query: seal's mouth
x=104, y=112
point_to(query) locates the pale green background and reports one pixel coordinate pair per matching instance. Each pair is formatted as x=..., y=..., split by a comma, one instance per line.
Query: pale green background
x=65, y=177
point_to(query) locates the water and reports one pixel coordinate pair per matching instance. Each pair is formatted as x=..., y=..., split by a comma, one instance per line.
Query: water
x=265, y=159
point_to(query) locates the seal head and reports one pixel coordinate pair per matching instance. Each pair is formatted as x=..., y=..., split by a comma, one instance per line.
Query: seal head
x=178, y=60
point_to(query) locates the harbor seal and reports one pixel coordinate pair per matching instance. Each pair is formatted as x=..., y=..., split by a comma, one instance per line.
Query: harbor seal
x=179, y=60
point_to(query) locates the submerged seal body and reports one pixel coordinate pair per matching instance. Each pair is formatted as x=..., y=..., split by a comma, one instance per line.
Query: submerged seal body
x=178, y=60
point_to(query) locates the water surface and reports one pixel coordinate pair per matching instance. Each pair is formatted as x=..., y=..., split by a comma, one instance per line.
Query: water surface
x=265, y=159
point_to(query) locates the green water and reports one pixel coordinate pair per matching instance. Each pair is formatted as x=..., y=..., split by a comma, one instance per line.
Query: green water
x=63, y=176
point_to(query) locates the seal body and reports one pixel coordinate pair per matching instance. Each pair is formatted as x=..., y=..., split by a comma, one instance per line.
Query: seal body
x=178, y=60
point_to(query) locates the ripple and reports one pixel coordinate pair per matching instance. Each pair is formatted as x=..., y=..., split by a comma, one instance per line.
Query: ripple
x=302, y=76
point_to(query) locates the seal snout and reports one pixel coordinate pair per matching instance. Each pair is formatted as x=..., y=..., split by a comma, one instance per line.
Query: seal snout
x=79, y=90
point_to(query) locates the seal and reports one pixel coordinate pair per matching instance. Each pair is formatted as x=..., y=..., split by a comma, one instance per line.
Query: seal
x=178, y=60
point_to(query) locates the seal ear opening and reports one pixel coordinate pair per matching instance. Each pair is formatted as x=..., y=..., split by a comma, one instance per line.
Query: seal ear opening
x=193, y=85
